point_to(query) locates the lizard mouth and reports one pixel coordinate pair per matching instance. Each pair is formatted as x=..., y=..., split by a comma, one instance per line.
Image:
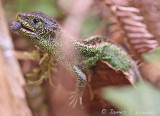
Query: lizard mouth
x=18, y=26
x=26, y=28
x=27, y=31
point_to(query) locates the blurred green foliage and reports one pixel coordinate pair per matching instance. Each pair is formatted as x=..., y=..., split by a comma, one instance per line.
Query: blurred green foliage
x=142, y=100
x=154, y=56
x=48, y=7
x=90, y=24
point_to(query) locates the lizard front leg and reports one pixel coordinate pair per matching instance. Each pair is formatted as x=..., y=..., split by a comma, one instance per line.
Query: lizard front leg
x=81, y=81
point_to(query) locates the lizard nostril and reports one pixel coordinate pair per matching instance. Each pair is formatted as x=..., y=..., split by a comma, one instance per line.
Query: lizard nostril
x=19, y=15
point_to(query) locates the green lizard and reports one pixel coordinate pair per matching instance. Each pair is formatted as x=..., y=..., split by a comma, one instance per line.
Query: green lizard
x=46, y=33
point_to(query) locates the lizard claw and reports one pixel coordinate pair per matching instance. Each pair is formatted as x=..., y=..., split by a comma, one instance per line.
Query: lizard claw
x=75, y=97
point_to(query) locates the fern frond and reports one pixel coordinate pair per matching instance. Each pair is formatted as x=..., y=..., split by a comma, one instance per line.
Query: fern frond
x=140, y=40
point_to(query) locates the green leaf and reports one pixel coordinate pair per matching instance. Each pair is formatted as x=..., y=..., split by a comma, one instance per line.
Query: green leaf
x=142, y=100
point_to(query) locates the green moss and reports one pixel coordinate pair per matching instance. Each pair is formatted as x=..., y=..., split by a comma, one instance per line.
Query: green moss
x=44, y=70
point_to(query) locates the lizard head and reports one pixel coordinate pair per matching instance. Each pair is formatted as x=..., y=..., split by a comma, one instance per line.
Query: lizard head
x=38, y=27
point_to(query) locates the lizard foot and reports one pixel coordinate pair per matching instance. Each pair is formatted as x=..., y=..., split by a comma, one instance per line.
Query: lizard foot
x=75, y=97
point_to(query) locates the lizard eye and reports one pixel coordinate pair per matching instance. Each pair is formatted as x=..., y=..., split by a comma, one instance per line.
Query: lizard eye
x=35, y=20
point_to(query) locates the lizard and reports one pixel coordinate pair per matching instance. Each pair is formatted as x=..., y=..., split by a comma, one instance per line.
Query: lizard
x=47, y=34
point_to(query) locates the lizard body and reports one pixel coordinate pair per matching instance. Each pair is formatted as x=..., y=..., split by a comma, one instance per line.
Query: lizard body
x=46, y=33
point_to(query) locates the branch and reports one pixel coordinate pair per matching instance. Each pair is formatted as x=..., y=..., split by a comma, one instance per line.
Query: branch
x=13, y=98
